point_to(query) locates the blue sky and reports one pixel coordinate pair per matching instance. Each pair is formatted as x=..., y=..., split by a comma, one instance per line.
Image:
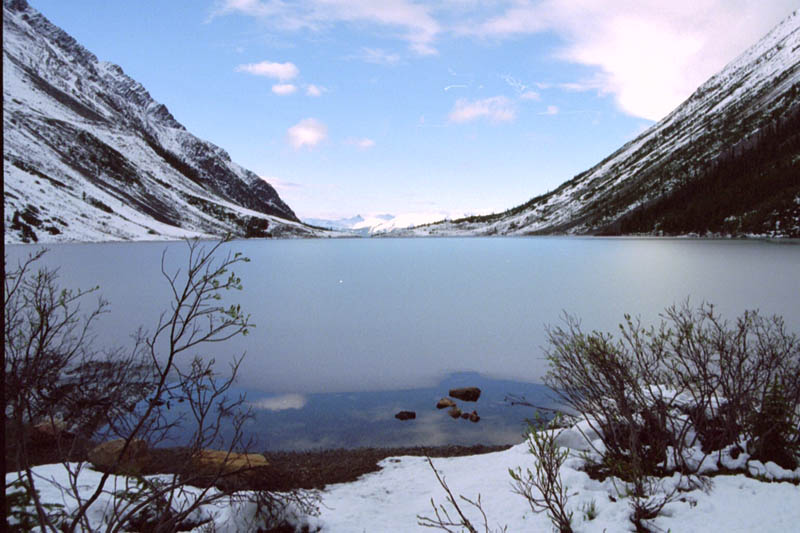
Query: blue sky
x=402, y=106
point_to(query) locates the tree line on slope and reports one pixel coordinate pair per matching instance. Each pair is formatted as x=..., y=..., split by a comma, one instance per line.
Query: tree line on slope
x=750, y=190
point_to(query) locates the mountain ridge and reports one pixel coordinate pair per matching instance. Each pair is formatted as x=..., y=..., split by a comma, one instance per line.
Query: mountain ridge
x=90, y=155
x=757, y=90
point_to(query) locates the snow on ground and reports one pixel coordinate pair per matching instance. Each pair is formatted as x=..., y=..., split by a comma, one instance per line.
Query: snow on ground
x=392, y=498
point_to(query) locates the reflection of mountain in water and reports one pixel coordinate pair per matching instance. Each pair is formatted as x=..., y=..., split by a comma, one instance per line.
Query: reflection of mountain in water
x=366, y=419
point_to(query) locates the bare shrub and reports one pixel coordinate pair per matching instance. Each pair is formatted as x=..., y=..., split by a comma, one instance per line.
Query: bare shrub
x=53, y=375
x=744, y=380
x=654, y=394
x=543, y=488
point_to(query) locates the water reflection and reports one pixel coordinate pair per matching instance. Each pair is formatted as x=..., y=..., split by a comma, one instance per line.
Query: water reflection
x=388, y=314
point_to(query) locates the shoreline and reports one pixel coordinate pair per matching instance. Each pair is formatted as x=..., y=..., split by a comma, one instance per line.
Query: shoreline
x=688, y=236
x=285, y=471
x=318, y=468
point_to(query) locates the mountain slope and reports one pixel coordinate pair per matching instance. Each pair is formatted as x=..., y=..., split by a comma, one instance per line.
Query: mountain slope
x=711, y=146
x=89, y=155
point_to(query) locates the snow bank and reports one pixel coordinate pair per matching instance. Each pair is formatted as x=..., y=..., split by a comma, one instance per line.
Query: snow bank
x=392, y=498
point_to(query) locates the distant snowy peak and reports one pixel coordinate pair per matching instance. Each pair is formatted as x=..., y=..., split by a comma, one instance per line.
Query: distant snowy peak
x=386, y=224
x=379, y=224
x=89, y=155
x=751, y=106
x=339, y=223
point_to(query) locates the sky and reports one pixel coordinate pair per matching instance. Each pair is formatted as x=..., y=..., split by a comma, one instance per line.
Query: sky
x=445, y=107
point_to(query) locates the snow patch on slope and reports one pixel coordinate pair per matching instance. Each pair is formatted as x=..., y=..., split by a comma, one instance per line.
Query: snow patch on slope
x=89, y=155
x=727, y=109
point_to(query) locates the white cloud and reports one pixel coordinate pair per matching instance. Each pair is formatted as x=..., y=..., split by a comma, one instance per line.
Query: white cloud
x=308, y=132
x=315, y=90
x=651, y=54
x=278, y=71
x=363, y=144
x=551, y=110
x=280, y=403
x=595, y=84
x=284, y=88
x=523, y=91
x=419, y=26
x=249, y=7
x=496, y=109
x=415, y=23
x=378, y=56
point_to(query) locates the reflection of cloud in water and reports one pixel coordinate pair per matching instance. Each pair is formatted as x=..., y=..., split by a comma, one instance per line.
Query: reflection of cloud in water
x=429, y=430
x=280, y=403
x=378, y=413
x=367, y=419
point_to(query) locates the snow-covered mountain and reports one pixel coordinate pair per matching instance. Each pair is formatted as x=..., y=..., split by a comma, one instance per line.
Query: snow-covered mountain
x=89, y=155
x=378, y=224
x=727, y=160
x=338, y=223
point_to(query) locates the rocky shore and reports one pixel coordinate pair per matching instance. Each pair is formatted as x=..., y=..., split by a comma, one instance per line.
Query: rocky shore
x=310, y=469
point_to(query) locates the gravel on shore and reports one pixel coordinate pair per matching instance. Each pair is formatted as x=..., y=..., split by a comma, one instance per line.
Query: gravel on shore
x=315, y=469
x=287, y=470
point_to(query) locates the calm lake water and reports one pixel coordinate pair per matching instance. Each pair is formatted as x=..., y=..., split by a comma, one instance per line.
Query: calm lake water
x=358, y=315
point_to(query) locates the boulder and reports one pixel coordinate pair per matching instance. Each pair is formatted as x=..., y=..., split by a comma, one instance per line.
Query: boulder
x=444, y=403
x=473, y=417
x=466, y=394
x=455, y=412
x=106, y=457
x=465, y=415
x=406, y=415
x=220, y=462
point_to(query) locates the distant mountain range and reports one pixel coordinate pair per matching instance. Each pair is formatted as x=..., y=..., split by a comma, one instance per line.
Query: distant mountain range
x=726, y=161
x=89, y=155
x=375, y=224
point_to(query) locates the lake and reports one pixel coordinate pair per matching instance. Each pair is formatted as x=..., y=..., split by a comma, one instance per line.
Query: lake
x=372, y=316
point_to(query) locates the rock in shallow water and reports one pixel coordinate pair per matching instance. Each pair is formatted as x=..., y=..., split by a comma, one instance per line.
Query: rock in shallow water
x=444, y=403
x=467, y=394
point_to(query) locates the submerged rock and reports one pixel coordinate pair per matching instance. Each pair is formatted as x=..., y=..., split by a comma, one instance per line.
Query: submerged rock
x=406, y=415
